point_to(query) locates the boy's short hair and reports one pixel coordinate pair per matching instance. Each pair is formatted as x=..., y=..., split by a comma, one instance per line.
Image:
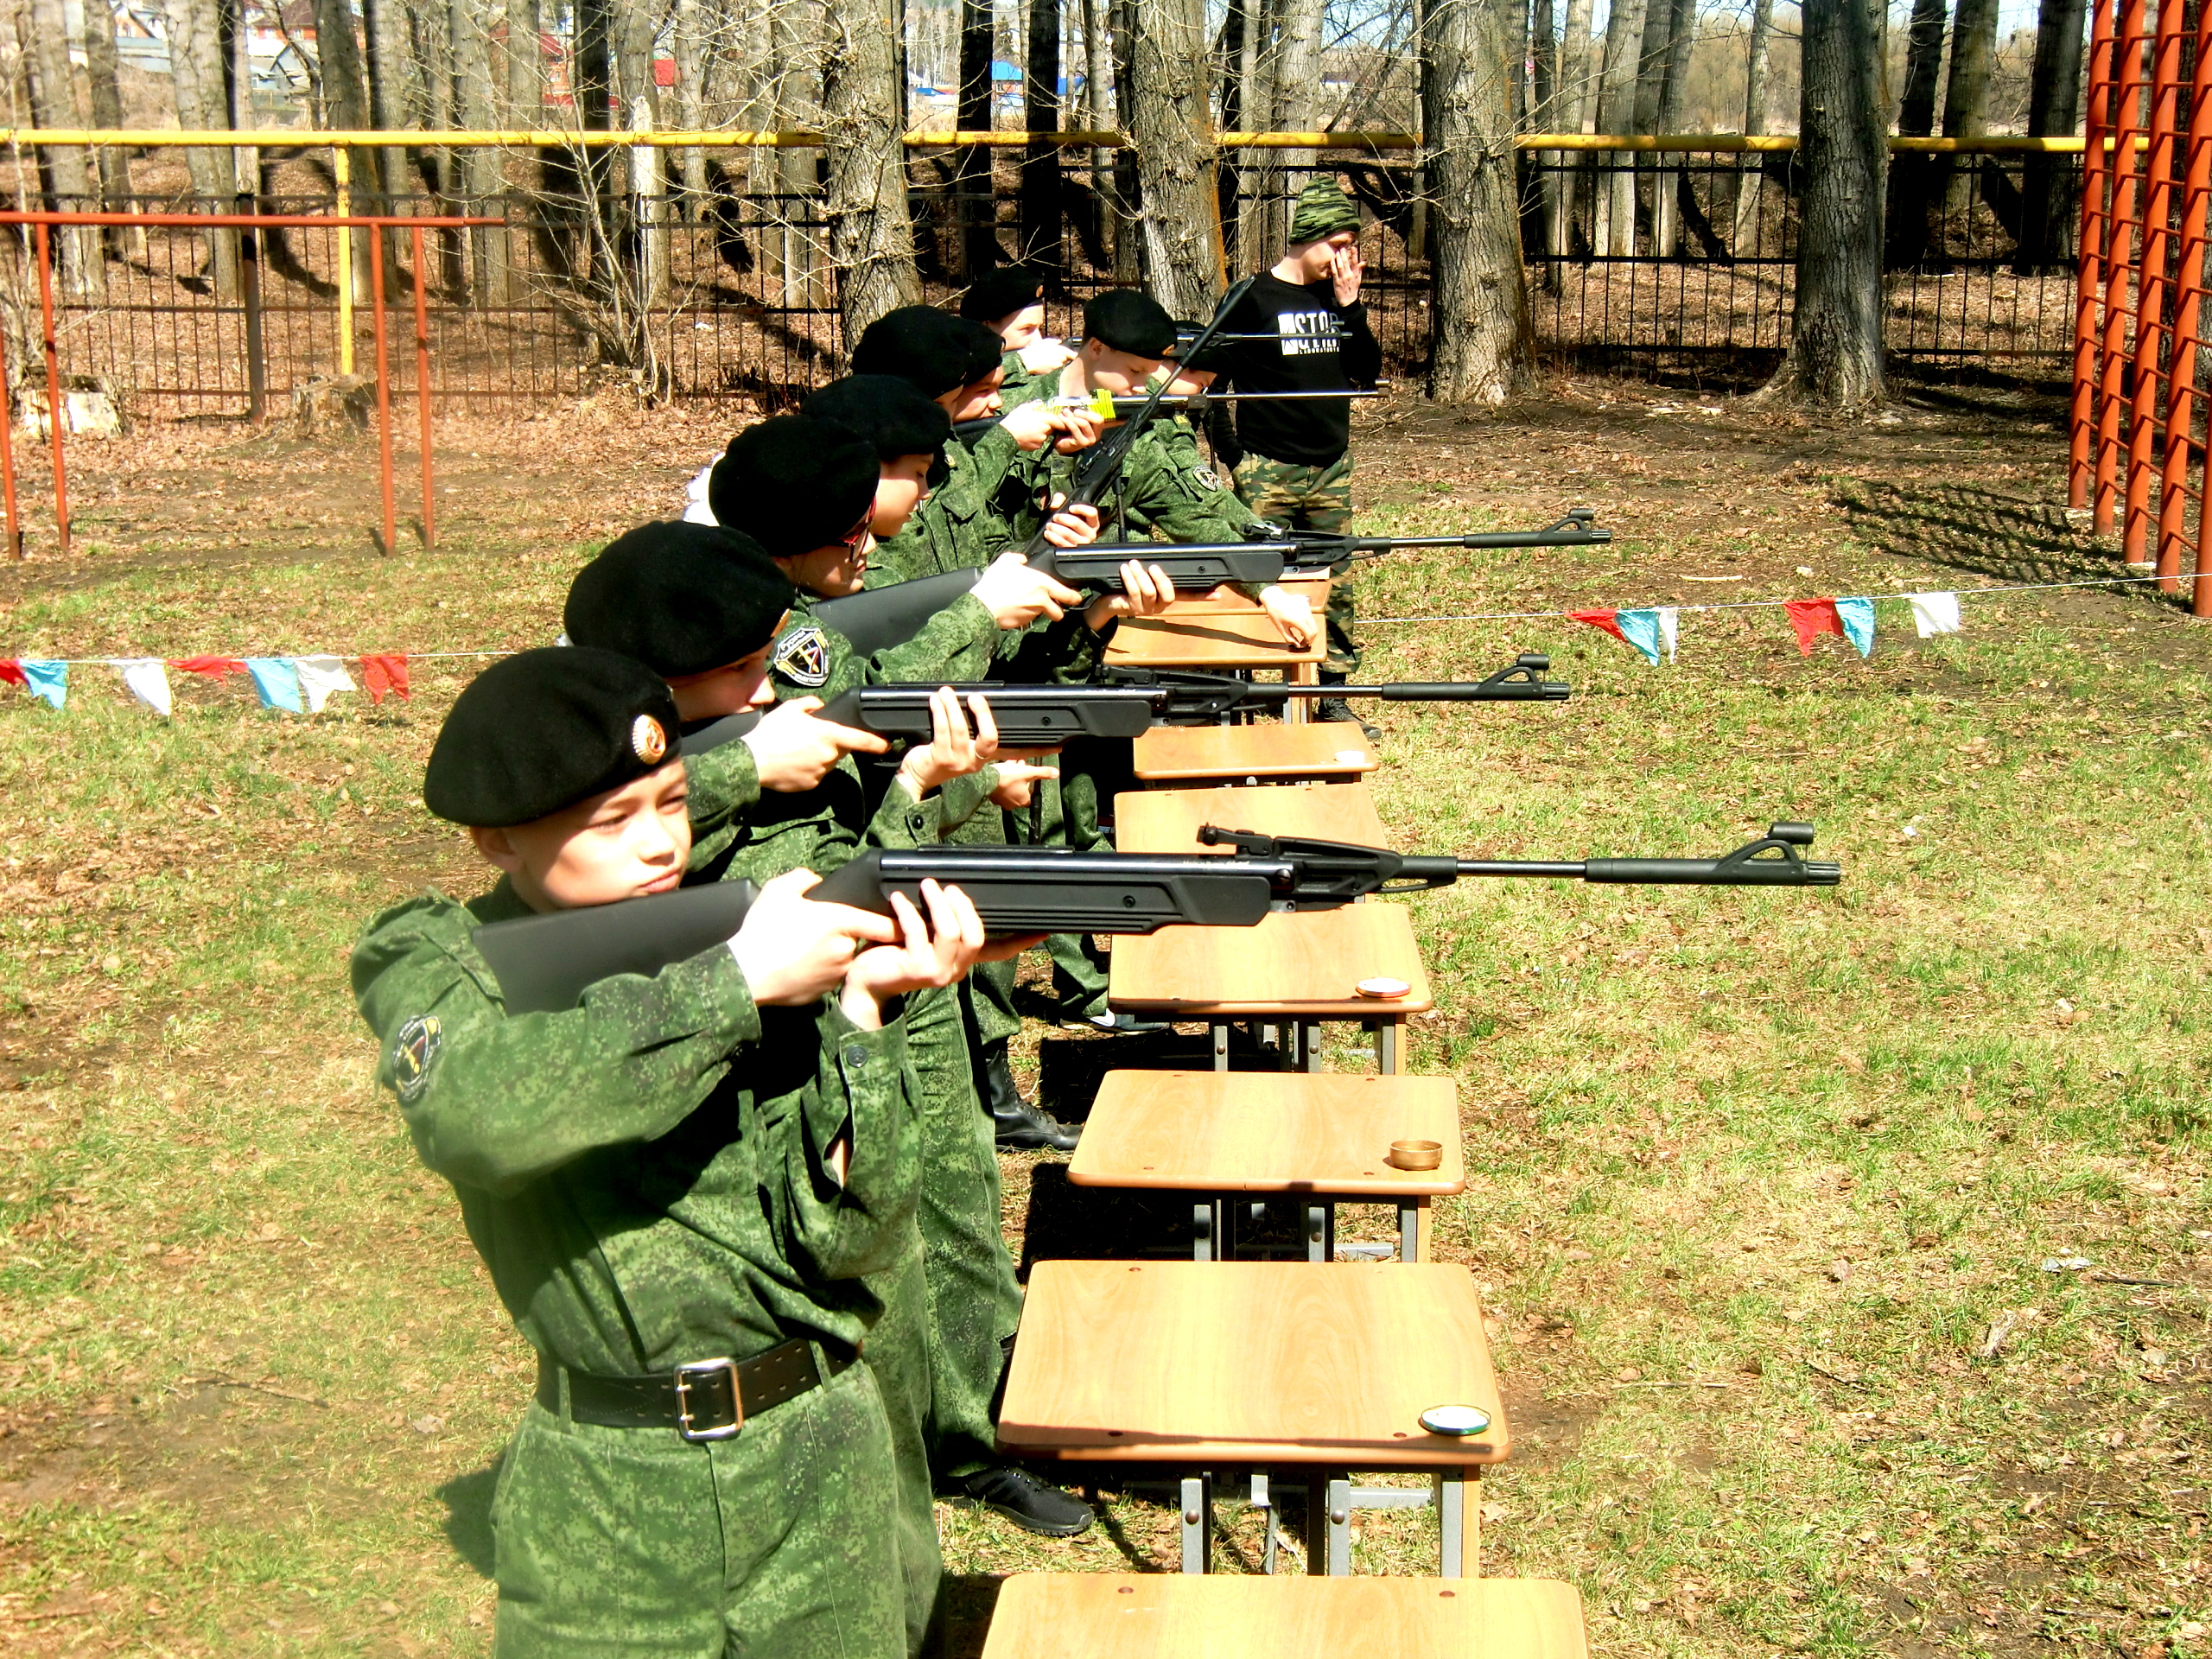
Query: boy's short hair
x=932, y=351
x=681, y=598
x=889, y=412
x=1002, y=293
x=794, y=483
x=1126, y=320
x=543, y=729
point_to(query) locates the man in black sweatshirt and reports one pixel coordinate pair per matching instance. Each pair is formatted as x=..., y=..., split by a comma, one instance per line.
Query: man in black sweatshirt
x=1296, y=468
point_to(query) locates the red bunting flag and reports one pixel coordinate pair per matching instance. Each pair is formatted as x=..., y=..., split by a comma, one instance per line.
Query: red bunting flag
x=385, y=672
x=1602, y=620
x=216, y=667
x=11, y=672
x=1813, y=618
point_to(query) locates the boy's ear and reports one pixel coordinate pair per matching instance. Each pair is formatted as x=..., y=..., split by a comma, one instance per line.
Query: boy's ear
x=497, y=847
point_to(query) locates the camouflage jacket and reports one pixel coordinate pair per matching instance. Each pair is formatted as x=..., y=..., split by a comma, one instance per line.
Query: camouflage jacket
x=646, y=1176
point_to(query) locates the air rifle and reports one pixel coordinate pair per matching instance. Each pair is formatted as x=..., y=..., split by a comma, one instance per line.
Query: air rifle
x=1046, y=716
x=544, y=963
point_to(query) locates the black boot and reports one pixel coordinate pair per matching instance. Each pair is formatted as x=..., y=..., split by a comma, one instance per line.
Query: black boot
x=1337, y=709
x=1031, y=1503
x=1022, y=1125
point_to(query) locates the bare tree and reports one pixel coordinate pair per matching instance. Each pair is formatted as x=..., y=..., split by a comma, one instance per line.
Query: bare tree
x=66, y=167
x=1966, y=90
x=1040, y=165
x=196, y=76
x=2054, y=107
x=389, y=60
x=1750, y=172
x=1911, y=173
x=973, y=205
x=1097, y=115
x=871, y=237
x=1572, y=110
x=1617, y=81
x=1481, y=347
x=1294, y=79
x=1835, y=355
x=1170, y=119
x=104, y=83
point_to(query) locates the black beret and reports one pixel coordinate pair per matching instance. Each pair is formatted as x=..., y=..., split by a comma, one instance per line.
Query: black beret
x=1129, y=322
x=544, y=729
x=931, y=350
x=885, y=410
x=1002, y=293
x=680, y=598
x=794, y=484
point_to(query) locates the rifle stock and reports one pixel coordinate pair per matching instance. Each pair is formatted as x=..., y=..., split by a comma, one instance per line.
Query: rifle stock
x=544, y=963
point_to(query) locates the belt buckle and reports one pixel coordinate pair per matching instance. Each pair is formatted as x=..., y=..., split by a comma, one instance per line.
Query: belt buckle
x=700, y=1369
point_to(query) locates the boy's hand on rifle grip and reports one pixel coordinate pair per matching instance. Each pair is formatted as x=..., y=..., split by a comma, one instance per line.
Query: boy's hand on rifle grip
x=1016, y=593
x=792, y=951
x=1147, y=590
x=793, y=750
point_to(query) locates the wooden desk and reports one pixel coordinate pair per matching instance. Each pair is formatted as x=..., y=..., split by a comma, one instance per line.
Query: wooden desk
x=1296, y=968
x=1168, y=820
x=1259, y=1364
x=1162, y=1616
x=1323, y=1135
x=1221, y=629
x=1316, y=749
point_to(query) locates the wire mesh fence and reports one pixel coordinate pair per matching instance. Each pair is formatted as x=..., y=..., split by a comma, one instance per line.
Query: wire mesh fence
x=1672, y=265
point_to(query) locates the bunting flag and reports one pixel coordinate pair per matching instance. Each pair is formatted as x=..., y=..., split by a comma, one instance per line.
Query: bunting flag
x=385, y=672
x=1933, y=614
x=1640, y=629
x=213, y=667
x=1605, y=622
x=149, y=680
x=278, y=682
x=47, y=679
x=1670, y=628
x=11, y=672
x=1811, y=617
x=1857, y=616
x=320, y=678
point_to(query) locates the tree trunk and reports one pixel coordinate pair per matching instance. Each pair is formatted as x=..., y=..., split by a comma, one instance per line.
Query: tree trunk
x=1567, y=190
x=1674, y=89
x=1294, y=79
x=687, y=45
x=1171, y=122
x=1835, y=357
x=593, y=72
x=196, y=75
x=386, y=27
x=1911, y=175
x=1123, y=16
x=345, y=87
x=68, y=167
x=476, y=97
x=1616, y=217
x=1040, y=165
x=519, y=168
x=795, y=34
x=2054, y=106
x=103, y=81
x=1966, y=96
x=1482, y=347
x=871, y=241
x=1750, y=172
x=1097, y=115
x=974, y=209
x=1238, y=64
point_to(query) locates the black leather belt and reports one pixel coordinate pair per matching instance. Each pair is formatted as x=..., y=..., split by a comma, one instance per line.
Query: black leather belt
x=706, y=1400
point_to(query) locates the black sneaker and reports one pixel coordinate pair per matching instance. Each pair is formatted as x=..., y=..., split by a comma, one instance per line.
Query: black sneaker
x=1336, y=708
x=1116, y=1025
x=1032, y=1505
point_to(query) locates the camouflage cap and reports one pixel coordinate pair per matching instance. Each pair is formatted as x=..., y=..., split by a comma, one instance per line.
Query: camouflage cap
x=1323, y=210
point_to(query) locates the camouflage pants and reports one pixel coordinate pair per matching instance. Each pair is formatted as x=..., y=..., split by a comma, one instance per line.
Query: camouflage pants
x=973, y=1300
x=1309, y=497
x=1065, y=813
x=780, y=1542
x=900, y=1351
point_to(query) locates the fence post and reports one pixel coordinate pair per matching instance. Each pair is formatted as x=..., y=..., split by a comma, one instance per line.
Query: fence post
x=383, y=388
x=422, y=378
x=2096, y=173
x=257, y=365
x=57, y=409
x=2119, y=257
x=341, y=173
x=2189, y=294
x=2150, y=280
x=7, y=455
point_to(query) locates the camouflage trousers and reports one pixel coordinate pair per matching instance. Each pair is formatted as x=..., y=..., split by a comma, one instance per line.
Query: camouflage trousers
x=781, y=1540
x=1309, y=497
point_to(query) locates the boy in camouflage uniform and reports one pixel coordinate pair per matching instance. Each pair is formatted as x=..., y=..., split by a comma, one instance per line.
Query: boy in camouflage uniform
x=679, y=1187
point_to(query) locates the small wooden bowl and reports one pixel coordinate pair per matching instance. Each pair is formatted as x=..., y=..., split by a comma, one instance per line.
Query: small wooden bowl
x=1415, y=1154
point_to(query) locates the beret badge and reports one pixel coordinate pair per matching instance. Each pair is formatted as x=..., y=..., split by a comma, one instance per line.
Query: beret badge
x=647, y=740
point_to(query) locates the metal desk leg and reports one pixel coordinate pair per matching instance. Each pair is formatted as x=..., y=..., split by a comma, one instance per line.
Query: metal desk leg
x=1221, y=1046
x=1320, y=1232
x=1309, y=1046
x=1209, y=1241
x=1263, y=1501
x=1197, y=1522
x=1386, y=1047
x=1460, y=1529
x=1412, y=1231
x=1337, y=1515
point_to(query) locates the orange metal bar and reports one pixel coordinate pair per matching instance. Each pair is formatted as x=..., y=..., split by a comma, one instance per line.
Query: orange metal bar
x=423, y=376
x=2150, y=279
x=56, y=413
x=2189, y=295
x=2096, y=173
x=383, y=393
x=7, y=457
x=2119, y=257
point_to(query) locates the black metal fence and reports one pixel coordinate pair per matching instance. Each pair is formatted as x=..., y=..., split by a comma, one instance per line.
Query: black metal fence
x=1677, y=265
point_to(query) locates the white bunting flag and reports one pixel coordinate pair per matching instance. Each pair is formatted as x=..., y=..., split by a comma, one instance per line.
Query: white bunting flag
x=149, y=680
x=321, y=678
x=1670, y=629
x=1934, y=612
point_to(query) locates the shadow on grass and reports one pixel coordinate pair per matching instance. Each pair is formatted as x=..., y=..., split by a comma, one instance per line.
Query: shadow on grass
x=1980, y=530
x=469, y=1515
x=971, y=1598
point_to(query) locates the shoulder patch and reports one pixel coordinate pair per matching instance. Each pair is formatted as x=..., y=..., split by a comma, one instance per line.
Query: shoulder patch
x=802, y=655
x=1207, y=477
x=412, y=1054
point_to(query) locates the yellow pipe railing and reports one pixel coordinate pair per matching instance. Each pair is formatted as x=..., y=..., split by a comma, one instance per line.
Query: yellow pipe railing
x=1695, y=144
